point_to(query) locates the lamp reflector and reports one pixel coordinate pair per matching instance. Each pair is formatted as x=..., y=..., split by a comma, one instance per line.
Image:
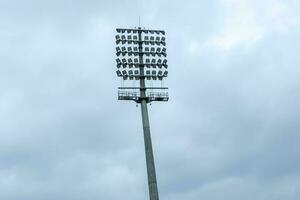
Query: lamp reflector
x=153, y=63
x=119, y=74
x=165, y=74
x=130, y=72
x=159, y=73
x=158, y=50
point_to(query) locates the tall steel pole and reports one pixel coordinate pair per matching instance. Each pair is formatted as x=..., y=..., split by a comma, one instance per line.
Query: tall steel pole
x=152, y=183
x=154, y=70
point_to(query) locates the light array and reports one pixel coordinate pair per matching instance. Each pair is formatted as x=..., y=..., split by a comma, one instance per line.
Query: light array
x=141, y=54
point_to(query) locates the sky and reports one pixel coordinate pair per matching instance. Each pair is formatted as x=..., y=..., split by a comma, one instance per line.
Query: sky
x=229, y=131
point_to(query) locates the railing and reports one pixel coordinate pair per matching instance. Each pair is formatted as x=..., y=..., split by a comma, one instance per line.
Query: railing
x=136, y=95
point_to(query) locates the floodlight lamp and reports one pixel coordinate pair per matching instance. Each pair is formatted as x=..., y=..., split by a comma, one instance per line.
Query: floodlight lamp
x=130, y=72
x=148, y=74
x=130, y=63
x=165, y=63
x=118, y=50
x=159, y=63
x=163, y=52
x=159, y=73
x=129, y=39
x=124, y=61
x=118, y=39
x=152, y=50
x=158, y=50
x=136, y=62
x=163, y=41
x=119, y=74
x=118, y=60
x=165, y=74
x=119, y=63
x=153, y=62
x=129, y=49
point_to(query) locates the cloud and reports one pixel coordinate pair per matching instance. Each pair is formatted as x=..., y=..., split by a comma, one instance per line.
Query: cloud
x=230, y=129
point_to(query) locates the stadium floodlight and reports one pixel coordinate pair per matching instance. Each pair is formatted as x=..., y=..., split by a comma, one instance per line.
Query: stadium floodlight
x=165, y=74
x=157, y=40
x=130, y=63
x=147, y=62
x=163, y=41
x=165, y=63
x=129, y=50
x=159, y=63
x=119, y=62
x=147, y=50
x=143, y=49
x=119, y=73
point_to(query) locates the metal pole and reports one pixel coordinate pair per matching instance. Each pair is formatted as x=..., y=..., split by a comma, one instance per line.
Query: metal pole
x=152, y=184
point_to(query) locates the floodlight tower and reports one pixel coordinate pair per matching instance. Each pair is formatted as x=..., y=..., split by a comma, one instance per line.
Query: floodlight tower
x=141, y=59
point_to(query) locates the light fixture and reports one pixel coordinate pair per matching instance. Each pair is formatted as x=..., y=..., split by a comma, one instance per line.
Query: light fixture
x=165, y=63
x=119, y=63
x=119, y=73
x=143, y=49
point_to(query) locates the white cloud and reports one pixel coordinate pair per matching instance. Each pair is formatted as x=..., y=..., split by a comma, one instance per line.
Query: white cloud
x=246, y=22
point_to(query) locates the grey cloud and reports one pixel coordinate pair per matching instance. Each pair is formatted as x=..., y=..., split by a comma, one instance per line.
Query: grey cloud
x=230, y=129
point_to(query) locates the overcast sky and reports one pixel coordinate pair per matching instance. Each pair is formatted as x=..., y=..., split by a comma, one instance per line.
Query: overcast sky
x=230, y=130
